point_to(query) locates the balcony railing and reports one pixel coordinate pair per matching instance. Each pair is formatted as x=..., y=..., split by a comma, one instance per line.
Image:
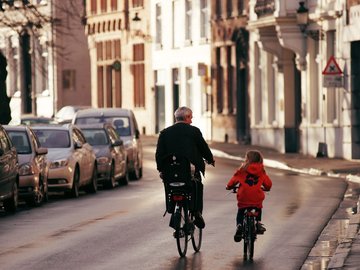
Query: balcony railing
x=264, y=7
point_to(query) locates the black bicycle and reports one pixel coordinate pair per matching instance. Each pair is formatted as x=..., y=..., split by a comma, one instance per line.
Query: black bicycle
x=182, y=218
x=249, y=233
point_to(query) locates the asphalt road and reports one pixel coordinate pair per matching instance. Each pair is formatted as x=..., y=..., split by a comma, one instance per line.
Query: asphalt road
x=124, y=228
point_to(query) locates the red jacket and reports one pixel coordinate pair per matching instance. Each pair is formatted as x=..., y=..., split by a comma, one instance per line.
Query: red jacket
x=251, y=179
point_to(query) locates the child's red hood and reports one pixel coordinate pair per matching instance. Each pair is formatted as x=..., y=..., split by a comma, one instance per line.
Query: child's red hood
x=255, y=168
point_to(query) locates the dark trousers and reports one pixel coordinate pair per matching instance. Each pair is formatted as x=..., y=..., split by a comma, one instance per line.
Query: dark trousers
x=240, y=215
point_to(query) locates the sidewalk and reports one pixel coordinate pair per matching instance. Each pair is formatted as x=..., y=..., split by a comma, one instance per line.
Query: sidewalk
x=345, y=251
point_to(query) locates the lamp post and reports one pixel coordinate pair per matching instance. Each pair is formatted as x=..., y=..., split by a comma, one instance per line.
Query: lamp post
x=302, y=16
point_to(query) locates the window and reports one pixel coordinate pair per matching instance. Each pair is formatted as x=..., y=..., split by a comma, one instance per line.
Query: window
x=218, y=8
x=103, y=5
x=114, y=5
x=176, y=24
x=93, y=6
x=158, y=25
x=313, y=74
x=99, y=51
x=138, y=3
x=331, y=94
x=219, y=81
x=139, y=75
x=189, y=90
x=68, y=79
x=188, y=15
x=204, y=19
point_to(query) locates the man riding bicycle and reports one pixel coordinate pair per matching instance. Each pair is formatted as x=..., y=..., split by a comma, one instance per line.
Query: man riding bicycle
x=184, y=140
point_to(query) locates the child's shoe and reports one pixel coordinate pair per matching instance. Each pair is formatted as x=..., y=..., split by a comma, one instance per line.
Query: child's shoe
x=238, y=233
x=260, y=229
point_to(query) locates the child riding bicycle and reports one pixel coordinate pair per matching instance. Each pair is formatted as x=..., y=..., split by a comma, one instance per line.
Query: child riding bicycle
x=252, y=181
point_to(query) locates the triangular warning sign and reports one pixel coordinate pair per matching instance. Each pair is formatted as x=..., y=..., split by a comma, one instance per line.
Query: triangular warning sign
x=332, y=68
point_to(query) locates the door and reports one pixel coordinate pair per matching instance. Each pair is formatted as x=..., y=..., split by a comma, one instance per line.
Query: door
x=159, y=108
x=355, y=100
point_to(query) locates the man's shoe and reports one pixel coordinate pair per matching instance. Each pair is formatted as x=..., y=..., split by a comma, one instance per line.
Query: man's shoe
x=238, y=234
x=260, y=229
x=199, y=221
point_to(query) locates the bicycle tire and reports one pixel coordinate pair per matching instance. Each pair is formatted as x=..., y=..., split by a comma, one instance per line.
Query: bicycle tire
x=181, y=235
x=196, y=235
x=249, y=238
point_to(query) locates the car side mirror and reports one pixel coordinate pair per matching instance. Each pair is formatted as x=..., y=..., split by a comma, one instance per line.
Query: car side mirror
x=78, y=145
x=137, y=134
x=118, y=143
x=42, y=151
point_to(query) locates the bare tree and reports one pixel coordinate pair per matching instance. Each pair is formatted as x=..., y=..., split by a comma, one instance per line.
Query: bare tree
x=20, y=15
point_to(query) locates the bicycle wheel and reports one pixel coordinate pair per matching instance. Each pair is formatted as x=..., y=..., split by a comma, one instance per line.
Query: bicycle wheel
x=196, y=235
x=249, y=238
x=180, y=233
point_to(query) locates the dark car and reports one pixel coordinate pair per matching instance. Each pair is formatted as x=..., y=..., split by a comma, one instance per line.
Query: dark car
x=127, y=128
x=33, y=165
x=9, y=172
x=110, y=153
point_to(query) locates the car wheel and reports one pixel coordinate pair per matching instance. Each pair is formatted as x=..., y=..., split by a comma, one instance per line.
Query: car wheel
x=111, y=182
x=125, y=179
x=38, y=196
x=75, y=187
x=136, y=173
x=10, y=205
x=92, y=187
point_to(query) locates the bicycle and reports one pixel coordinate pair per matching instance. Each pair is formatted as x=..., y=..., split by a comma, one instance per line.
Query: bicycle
x=180, y=184
x=182, y=219
x=249, y=233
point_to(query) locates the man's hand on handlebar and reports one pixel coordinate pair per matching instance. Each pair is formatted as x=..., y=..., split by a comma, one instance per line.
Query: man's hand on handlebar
x=211, y=163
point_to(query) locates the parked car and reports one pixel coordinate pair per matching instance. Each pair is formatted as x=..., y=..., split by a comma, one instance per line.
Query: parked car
x=72, y=159
x=66, y=113
x=33, y=119
x=110, y=153
x=9, y=172
x=33, y=165
x=126, y=126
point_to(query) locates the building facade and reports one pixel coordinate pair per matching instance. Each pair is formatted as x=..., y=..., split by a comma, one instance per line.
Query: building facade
x=293, y=107
x=230, y=71
x=119, y=44
x=47, y=61
x=181, y=60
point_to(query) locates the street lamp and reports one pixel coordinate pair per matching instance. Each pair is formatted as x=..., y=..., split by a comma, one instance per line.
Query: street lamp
x=302, y=16
x=137, y=22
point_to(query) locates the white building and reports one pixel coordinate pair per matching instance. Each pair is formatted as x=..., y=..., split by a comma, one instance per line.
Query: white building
x=292, y=108
x=181, y=59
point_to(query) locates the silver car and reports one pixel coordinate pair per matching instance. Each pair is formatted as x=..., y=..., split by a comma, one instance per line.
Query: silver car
x=33, y=165
x=72, y=159
x=126, y=126
x=110, y=153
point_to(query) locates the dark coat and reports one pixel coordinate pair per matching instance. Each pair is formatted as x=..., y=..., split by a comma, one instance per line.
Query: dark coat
x=186, y=140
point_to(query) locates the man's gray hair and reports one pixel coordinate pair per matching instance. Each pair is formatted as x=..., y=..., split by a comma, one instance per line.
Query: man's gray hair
x=181, y=113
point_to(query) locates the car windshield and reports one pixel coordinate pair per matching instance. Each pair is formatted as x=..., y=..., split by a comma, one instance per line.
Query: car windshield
x=122, y=124
x=95, y=136
x=20, y=141
x=52, y=138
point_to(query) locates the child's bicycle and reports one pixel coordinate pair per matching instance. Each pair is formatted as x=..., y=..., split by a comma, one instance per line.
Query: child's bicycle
x=249, y=231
